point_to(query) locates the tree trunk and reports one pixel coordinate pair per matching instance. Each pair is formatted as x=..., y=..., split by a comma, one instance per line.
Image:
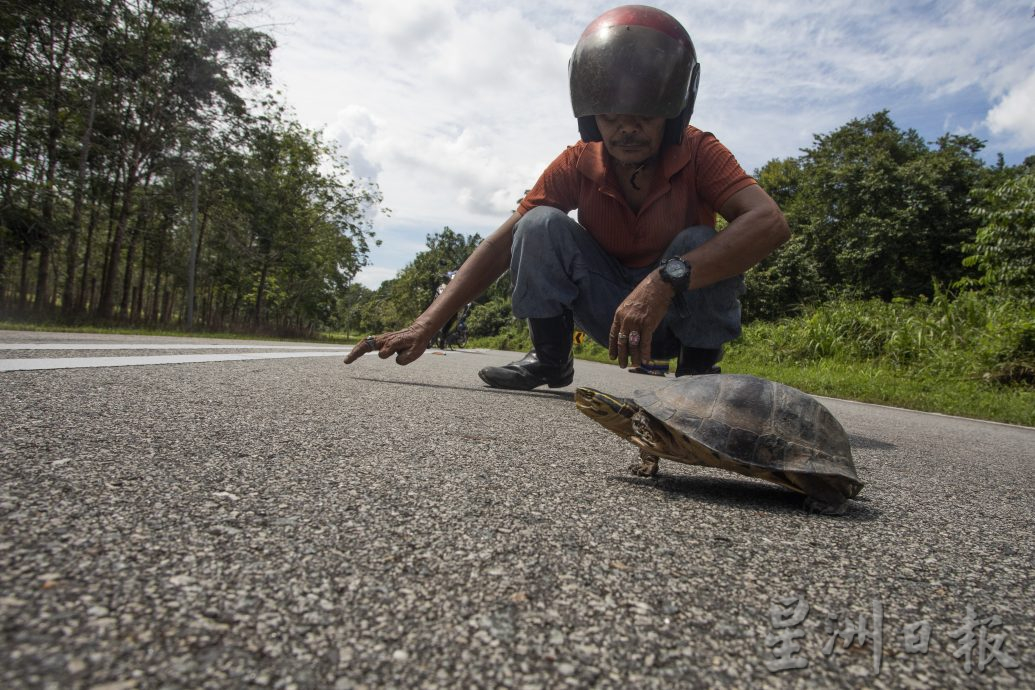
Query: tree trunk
x=69, y=302
x=167, y=310
x=15, y=143
x=127, y=273
x=3, y=269
x=58, y=63
x=193, y=256
x=137, y=308
x=54, y=267
x=131, y=250
x=113, y=203
x=158, y=272
x=107, y=300
x=9, y=185
x=221, y=315
x=23, y=284
x=68, y=298
x=80, y=304
x=260, y=293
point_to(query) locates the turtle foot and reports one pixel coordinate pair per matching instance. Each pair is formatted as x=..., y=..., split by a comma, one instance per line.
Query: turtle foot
x=815, y=505
x=646, y=467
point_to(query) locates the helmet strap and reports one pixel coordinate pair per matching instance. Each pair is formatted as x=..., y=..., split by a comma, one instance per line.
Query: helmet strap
x=589, y=130
x=632, y=180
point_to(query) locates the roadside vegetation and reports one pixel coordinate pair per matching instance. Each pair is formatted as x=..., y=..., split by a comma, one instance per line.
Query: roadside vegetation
x=150, y=182
x=972, y=356
x=150, y=177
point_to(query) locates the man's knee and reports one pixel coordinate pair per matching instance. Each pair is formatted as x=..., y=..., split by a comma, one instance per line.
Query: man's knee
x=541, y=265
x=537, y=224
x=691, y=238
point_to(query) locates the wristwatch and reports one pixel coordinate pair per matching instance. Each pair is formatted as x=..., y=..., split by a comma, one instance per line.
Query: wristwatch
x=676, y=272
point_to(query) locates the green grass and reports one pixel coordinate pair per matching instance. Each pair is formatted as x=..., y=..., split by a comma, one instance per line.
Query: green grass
x=876, y=383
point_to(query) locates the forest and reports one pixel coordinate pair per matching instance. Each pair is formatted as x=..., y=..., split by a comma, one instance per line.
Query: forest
x=149, y=177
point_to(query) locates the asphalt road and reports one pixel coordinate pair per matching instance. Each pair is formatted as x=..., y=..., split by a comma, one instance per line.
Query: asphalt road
x=296, y=523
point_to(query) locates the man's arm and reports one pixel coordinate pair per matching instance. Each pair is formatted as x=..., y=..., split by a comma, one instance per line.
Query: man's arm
x=756, y=227
x=487, y=263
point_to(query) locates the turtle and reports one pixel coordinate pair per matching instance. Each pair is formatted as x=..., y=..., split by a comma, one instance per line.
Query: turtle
x=740, y=423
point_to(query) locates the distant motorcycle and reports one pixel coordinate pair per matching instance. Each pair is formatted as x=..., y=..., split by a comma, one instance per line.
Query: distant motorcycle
x=454, y=332
x=458, y=335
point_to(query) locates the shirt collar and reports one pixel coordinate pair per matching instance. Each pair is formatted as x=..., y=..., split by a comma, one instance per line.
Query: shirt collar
x=593, y=162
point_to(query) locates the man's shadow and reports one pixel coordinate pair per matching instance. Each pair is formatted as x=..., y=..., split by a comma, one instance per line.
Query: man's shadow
x=544, y=393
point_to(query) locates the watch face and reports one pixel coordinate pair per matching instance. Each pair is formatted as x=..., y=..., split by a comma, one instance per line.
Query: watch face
x=676, y=269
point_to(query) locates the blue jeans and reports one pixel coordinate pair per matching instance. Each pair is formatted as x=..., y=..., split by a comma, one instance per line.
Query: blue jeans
x=556, y=265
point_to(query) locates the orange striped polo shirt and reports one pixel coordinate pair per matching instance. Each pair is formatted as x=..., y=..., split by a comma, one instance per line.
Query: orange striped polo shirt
x=698, y=177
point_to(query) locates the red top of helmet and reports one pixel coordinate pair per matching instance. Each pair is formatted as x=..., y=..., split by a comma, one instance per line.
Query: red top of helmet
x=640, y=15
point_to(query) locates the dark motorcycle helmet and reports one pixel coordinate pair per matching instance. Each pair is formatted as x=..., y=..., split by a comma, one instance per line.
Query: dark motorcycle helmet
x=634, y=60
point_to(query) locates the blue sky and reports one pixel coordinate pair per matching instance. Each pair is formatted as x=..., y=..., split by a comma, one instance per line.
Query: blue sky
x=454, y=108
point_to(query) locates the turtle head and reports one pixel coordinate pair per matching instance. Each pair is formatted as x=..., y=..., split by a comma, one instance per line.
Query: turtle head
x=611, y=412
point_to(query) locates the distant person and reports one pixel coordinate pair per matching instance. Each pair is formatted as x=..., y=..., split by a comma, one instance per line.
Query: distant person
x=643, y=269
x=443, y=333
x=444, y=284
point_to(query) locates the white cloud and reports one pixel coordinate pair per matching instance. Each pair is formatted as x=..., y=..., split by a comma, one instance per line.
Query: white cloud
x=435, y=114
x=1014, y=115
x=409, y=23
x=354, y=130
x=372, y=276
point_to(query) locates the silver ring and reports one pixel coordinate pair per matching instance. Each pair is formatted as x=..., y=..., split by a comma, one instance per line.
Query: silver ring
x=371, y=342
x=634, y=338
x=622, y=337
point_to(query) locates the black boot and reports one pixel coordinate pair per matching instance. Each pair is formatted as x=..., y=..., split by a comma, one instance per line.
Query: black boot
x=549, y=362
x=694, y=361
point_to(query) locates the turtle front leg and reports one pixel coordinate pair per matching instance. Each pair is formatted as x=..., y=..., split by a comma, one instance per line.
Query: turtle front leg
x=817, y=505
x=647, y=466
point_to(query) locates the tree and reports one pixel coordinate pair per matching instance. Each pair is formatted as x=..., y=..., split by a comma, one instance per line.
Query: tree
x=349, y=307
x=306, y=228
x=109, y=113
x=1004, y=247
x=397, y=302
x=880, y=213
x=789, y=277
x=414, y=287
x=185, y=64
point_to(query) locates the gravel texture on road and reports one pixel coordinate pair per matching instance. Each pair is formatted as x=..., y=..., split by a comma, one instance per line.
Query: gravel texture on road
x=302, y=524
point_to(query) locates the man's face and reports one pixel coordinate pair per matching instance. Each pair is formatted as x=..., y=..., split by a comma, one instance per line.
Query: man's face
x=631, y=139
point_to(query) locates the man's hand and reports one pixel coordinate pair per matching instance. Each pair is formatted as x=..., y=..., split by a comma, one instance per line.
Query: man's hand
x=407, y=344
x=636, y=320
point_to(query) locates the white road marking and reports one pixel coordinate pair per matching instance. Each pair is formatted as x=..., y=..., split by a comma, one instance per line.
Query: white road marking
x=152, y=346
x=87, y=362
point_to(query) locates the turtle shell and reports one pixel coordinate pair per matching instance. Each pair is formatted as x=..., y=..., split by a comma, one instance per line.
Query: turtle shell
x=756, y=427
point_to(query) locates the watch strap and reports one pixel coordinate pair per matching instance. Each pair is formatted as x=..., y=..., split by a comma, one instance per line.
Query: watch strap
x=679, y=285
